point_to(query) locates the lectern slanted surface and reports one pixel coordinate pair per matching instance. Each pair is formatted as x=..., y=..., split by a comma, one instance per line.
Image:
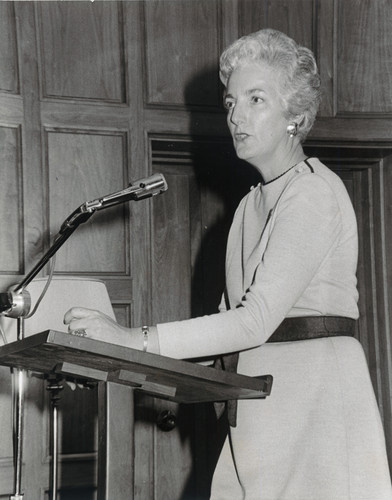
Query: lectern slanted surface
x=176, y=380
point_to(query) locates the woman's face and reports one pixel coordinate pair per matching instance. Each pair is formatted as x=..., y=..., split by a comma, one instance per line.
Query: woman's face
x=255, y=113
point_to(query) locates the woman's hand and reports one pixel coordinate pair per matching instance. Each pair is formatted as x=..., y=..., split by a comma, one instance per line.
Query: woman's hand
x=97, y=325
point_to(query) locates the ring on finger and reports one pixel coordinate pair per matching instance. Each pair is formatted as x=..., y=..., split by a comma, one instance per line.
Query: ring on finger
x=80, y=332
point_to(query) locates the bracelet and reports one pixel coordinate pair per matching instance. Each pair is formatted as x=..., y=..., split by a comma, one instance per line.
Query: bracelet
x=145, y=332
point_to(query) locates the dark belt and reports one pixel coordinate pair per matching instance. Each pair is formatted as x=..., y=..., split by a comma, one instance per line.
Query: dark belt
x=313, y=327
x=290, y=330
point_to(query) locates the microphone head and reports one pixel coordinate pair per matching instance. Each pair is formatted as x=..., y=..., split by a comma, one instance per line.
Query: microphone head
x=140, y=189
x=150, y=186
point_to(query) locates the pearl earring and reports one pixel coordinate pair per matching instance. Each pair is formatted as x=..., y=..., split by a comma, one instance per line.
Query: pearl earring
x=292, y=129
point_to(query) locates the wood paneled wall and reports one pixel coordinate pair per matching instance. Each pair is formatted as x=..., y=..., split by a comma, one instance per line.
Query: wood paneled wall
x=94, y=95
x=72, y=38
x=66, y=138
x=189, y=34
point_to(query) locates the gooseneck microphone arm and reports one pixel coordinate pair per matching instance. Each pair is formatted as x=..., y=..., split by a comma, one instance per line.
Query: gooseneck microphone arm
x=60, y=239
x=13, y=303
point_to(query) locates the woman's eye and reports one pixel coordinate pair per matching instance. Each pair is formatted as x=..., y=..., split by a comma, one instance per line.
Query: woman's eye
x=228, y=104
x=256, y=99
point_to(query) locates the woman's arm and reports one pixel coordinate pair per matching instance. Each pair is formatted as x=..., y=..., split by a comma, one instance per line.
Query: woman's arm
x=305, y=228
x=99, y=326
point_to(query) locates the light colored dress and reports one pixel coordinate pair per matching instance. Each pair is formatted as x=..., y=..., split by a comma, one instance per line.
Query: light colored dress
x=292, y=251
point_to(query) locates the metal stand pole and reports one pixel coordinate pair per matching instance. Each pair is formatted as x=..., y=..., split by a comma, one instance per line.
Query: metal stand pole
x=54, y=386
x=18, y=408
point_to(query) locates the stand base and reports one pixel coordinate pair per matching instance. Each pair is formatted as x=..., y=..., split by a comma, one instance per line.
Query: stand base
x=16, y=497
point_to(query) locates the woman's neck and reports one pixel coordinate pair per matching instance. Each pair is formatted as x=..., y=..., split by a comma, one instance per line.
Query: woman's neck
x=280, y=163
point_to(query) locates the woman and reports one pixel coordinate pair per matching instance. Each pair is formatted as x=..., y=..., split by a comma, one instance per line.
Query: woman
x=290, y=300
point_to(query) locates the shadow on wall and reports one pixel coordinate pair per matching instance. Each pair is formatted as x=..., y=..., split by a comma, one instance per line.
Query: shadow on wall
x=222, y=181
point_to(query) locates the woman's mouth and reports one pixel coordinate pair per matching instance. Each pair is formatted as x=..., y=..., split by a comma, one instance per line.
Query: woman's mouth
x=240, y=136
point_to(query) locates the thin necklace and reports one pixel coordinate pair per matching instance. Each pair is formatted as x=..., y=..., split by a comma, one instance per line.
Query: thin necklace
x=283, y=173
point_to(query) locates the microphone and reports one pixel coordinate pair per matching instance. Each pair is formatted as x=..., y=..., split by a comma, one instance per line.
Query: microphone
x=16, y=302
x=139, y=190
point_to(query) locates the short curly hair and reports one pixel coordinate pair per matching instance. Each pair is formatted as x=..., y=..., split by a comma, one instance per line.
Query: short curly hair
x=300, y=85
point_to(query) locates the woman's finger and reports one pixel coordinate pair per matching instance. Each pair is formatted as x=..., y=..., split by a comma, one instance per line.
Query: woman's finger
x=76, y=325
x=78, y=313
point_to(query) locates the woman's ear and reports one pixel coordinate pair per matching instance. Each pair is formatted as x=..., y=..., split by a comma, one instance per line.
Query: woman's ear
x=299, y=119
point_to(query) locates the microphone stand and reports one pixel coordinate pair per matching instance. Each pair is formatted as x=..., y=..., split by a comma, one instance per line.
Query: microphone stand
x=19, y=301
x=16, y=302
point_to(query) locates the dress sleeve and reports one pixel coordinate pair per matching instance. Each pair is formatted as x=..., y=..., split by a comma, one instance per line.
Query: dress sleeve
x=304, y=229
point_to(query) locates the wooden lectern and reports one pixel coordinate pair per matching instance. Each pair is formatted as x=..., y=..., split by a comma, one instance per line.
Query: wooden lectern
x=119, y=369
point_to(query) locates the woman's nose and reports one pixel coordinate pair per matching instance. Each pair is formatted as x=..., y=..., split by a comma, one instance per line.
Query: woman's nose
x=237, y=115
